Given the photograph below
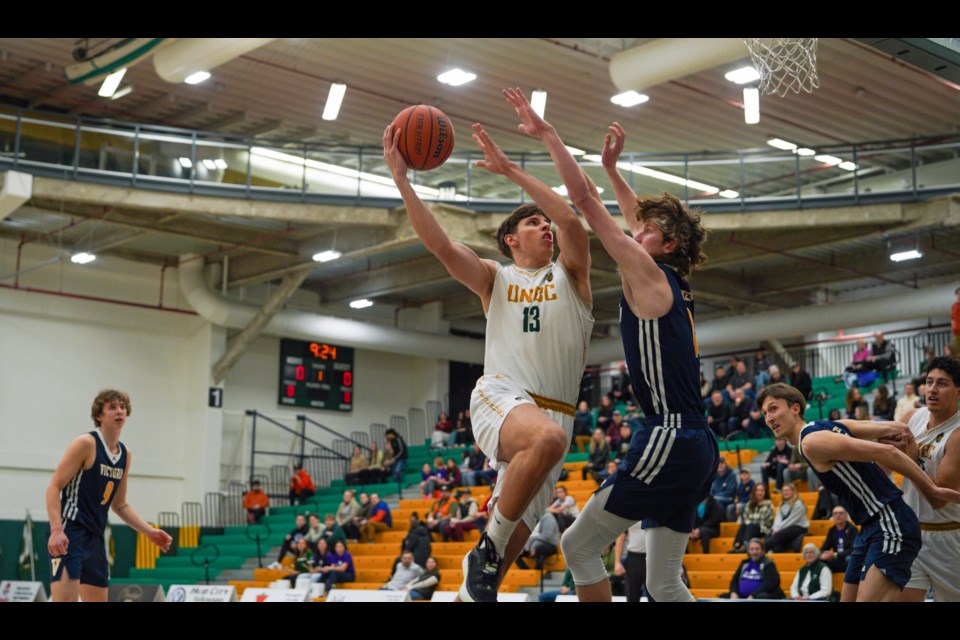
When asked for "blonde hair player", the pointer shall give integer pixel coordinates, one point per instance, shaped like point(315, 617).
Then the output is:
point(538, 326)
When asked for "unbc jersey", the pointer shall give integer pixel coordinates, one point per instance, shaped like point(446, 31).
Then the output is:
point(931, 444)
point(86, 498)
point(861, 487)
point(664, 360)
point(538, 330)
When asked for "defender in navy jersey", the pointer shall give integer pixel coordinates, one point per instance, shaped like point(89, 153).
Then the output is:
point(91, 479)
point(853, 458)
point(673, 457)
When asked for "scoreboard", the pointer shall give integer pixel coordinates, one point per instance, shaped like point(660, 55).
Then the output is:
point(316, 375)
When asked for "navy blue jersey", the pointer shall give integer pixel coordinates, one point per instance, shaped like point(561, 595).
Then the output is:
point(861, 487)
point(664, 360)
point(86, 498)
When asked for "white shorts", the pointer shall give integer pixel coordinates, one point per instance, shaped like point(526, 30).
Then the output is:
point(492, 400)
point(938, 565)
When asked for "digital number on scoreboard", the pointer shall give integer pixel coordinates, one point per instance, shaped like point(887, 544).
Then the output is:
point(316, 375)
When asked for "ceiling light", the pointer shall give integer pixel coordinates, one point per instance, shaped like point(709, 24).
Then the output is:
point(830, 160)
point(185, 162)
point(456, 77)
point(849, 166)
point(913, 254)
point(538, 100)
point(574, 151)
point(209, 164)
point(334, 100)
point(122, 92)
point(220, 163)
point(82, 258)
point(629, 99)
point(361, 304)
point(743, 75)
point(728, 193)
point(110, 83)
point(781, 144)
point(751, 105)
point(326, 256)
point(590, 157)
point(803, 151)
point(197, 77)
point(562, 189)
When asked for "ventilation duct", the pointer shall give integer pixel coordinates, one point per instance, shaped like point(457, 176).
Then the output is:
point(176, 61)
point(666, 59)
point(15, 189)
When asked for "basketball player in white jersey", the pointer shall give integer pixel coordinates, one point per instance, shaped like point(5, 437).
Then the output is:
point(937, 450)
point(538, 326)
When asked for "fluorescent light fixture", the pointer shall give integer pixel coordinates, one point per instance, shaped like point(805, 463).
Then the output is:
point(781, 144)
point(728, 193)
point(185, 162)
point(575, 152)
point(751, 105)
point(326, 256)
point(220, 163)
point(830, 160)
point(629, 99)
point(122, 92)
point(334, 100)
point(110, 83)
point(913, 254)
point(849, 166)
point(590, 157)
point(209, 164)
point(361, 304)
point(456, 77)
point(803, 151)
point(82, 258)
point(743, 75)
point(196, 77)
point(538, 100)
point(562, 189)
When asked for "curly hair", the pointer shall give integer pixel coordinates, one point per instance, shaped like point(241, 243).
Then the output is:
point(677, 222)
point(104, 398)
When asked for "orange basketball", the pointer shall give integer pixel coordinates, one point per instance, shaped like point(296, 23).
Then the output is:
point(426, 136)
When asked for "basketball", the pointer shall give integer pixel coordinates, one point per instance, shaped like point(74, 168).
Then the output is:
point(426, 136)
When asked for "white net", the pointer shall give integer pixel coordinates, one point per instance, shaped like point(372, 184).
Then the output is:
point(785, 64)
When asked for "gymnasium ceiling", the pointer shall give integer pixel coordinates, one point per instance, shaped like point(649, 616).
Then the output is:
point(758, 260)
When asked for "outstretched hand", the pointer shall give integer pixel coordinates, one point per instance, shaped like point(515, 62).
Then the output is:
point(530, 122)
point(391, 152)
point(613, 146)
point(494, 159)
point(944, 493)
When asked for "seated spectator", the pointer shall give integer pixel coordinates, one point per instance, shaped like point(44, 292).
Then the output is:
point(835, 415)
point(567, 587)
point(882, 404)
point(542, 543)
point(444, 433)
point(861, 411)
point(706, 524)
point(255, 502)
point(440, 512)
point(363, 514)
point(757, 577)
point(463, 516)
point(742, 380)
point(582, 425)
point(761, 366)
point(633, 416)
point(813, 581)
point(757, 426)
point(287, 545)
point(454, 478)
point(426, 584)
point(756, 518)
point(908, 402)
point(480, 473)
point(346, 511)
point(801, 381)
point(599, 455)
point(799, 469)
point(724, 487)
point(302, 559)
point(358, 464)
point(739, 421)
point(564, 508)
point(341, 568)
point(626, 434)
point(744, 491)
point(315, 531)
point(432, 477)
point(375, 471)
point(718, 415)
point(404, 573)
point(719, 383)
point(333, 531)
point(613, 430)
point(858, 365)
point(883, 356)
point(775, 375)
point(839, 541)
point(826, 501)
point(464, 428)
point(380, 519)
point(790, 524)
point(301, 485)
point(605, 413)
point(417, 541)
point(776, 462)
point(705, 388)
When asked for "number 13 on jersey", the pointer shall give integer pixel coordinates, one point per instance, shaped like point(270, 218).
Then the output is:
point(531, 319)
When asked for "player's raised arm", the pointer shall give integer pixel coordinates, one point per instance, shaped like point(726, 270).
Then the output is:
point(609, 156)
point(462, 263)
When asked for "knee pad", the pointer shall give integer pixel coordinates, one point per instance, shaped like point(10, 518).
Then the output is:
point(581, 553)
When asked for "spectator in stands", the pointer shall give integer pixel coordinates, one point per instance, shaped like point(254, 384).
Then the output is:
point(835, 415)
point(739, 420)
point(333, 531)
point(882, 355)
point(907, 403)
point(719, 383)
point(800, 380)
point(718, 415)
point(320, 567)
point(453, 473)
point(724, 487)
point(444, 434)
point(605, 413)
point(417, 541)
point(440, 512)
point(775, 375)
point(341, 567)
point(433, 477)
point(632, 415)
point(951, 351)
point(542, 543)
point(813, 581)
point(761, 366)
point(706, 523)
point(398, 457)
point(839, 541)
point(358, 465)
point(427, 583)
point(301, 485)
point(463, 516)
point(776, 462)
point(858, 365)
point(740, 499)
point(626, 434)
point(404, 573)
point(862, 411)
point(791, 523)
point(464, 429)
point(567, 587)
point(606, 473)
point(255, 502)
point(380, 519)
point(302, 559)
point(477, 459)
point(375, 471)
point(705, 388)
point(741, 379)
point(756, 518)
point(632, 565)
point(599, 454)
point(613, 430)
point(287, 545)
point(363, 514)
point(346, 511)
point(756, 578)
point(582, 425)
point(799, 469)
point(882, 404)
point(928, 355)
point(564, 508)
point(757, 426)
point(315, 531)
point(826, 501)
point(853, 399)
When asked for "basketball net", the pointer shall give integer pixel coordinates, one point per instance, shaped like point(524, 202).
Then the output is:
point(785, 64)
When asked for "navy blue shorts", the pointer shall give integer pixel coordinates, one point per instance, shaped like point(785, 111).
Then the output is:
point(890, 540)
point(86, 557)
point(666, 473)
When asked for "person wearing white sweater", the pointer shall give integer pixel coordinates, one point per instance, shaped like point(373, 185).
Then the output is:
point(790, 522)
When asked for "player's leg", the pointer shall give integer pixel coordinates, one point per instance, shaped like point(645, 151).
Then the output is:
point(665, 549)
point(912, 595)
point(65, 589)
point(90, 593)
point(877, 587)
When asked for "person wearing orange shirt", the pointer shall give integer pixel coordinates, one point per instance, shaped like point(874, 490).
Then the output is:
point(255, 502)
point(301, 485)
